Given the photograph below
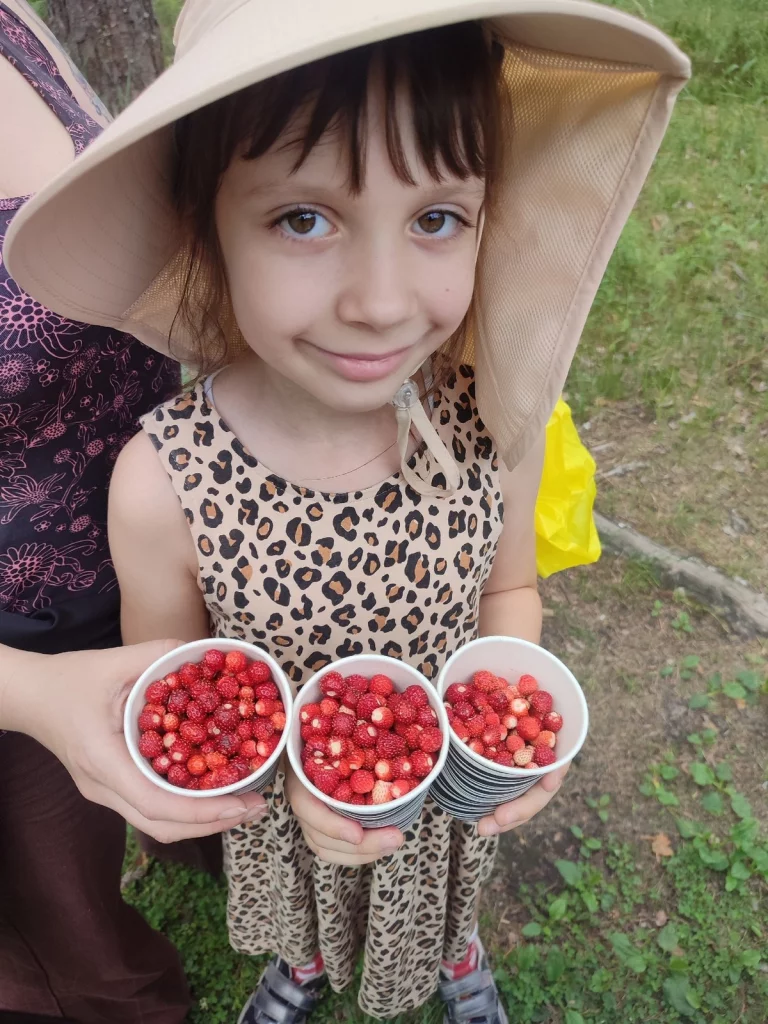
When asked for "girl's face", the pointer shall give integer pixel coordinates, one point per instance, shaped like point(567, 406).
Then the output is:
point(346, 295)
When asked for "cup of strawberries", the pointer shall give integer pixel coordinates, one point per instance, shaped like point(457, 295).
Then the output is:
point(369, 737)
point(515, 713)
point(209, 718)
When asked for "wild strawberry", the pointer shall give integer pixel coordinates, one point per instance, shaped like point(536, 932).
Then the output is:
point(257, 762)
point(308, 712)
point(463, 710)
point(366, 705)
point(338, 746)
point(241, 766)
point(188, 672)
point(209, 781)
point(227, 776)
point(504, 757)
point(480, 703)
point(343, 767)
point(215, 760)
point(321, 726)
point(228, 743)
point(365, 735)
point(245, 729)
point(431, 740)
point(211, 727)
point(226, 717)
point(193, 732)
point(528, 728)
point(278, 719)
point(369, 758)
point(157, 692)
point(381, 685)
point(343, 792)
point(206, 673)
point(527, 685)
point(426, 716)
point(266, 708)
point(171, 722)
point(193, 783)
point(541, 703)
point(543, 755)
point(499, 701)
point(490, 736)
point(243, 679)
point(259, 672)
point(475, 726)
point(422, 763)
point(402, 768)
point(523, 757)
point(362, 781)
point(389, 745)
point(314, 745)
point(178, 775)
point(208, 701)
point(208, 747)
point(356, 758)
point(228, 688)
point(247, 693)
point(457, 692)
point(405, 712)
point(327, 779)
point(382, 792)
point(268, 691)
point(552, 722)
point(491, 752)
point(151, 744)
point(357, 798)
point(248, 748)
point(491, 718)
point(169, 739)
point(196, 765)
point(198, 686)
point(235, 661)
point(400, 787)
point(461, 731)
point(416, 696)
point(161, 764)
point(150, 719)
point(246, 709)
point(383, 718)
point(214, 660)
point(477, 746)
point(266, 748)
point(509, 722)
point(383, 770)
point(328, 707)
point(342, 725)
point(484, 681)
point(350, 712)
point(332, 684)
point(180, 751)
point(173, 680)
point(519, 707)
point(412, 736)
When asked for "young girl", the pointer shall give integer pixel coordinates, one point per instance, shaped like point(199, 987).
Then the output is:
point(374, 231)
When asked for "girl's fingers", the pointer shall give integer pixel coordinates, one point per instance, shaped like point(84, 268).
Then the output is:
point(518, 812)
point(376, 843)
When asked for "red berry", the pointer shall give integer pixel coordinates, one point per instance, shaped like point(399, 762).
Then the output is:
point(206, 673)
point(365, 735)
point(211, 727)
point(188, 673)
point(382, 792)
point(356, 758)
point(196, 765)
point(173, 680)
point(381, 685)
point(499, 701)
point(235, 661)
point(357, 798)
point(267, 691)
point(208, 747)
point(405, 712)
point(228, 743)
point(519, 707)
point(328, 707)
point(370, 757)
point(356, 682)
point(342, 725)
point(193, 732)
point(151, 744)
point(546, 738)
point(180, 751)
point(484, 681)
point(457, 692)
point(171, 722)
point(266, 748)
point(400, 787)
point(352, 697)
point(209, 781)
point(278, 719)
point(177, 702)
point(215, 760)
point(308, 712)
point(523, 757)
point(416, 695)
point(541, 702)
point(389, 745)
point(544, 755)
point(383, 718)
point(169, 739)
point(157, 692)
point(315, 745)
point(246, 709)
point(226, 717)
point(477, 746)
point(475, 726)
point(241, 766)
point(261, 728)
point(208, 701)
point(343, 766)
point(332, 684)
point(362, 781)
point(245, 730)
point(366, 705)
point(266, 708)
point(463, 710)
point(504, 757)
point(198, 686)
point(509, 721)
point(426, 716)
point(402, 768)
point(228, 688)
point(552, 722)
point(527, 685)
point(343, 792)
point(412, 736)
point(422, 763)
point(431, 739)
point(214, 659)
point(383, 770)
point(150, 719)
point(528, 728)
point(461, 731)
point(338, 746)
point(178, 775)
point(257, 762)
point(161, 764)
point(248, 748)
point(490, 735)
point(227, 776)
point(327, 779)
point(514, 743)
point(259, 672)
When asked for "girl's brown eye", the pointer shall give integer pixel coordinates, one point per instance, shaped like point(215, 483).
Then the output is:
point(301, 222)
point(433, 222)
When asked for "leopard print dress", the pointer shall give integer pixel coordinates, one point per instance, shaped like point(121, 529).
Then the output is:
point(311, 577)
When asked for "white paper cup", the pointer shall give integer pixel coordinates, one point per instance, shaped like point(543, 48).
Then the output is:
point(404, 810)
point(172, 662)
point(471, 786)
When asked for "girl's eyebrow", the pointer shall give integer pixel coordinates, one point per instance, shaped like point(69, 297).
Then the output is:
point(433, 191)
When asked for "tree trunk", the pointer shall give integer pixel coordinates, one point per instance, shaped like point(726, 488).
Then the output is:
point(115, 43)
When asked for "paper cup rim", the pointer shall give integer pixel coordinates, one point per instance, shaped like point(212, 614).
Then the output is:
point(371, 810)
point(502, 770)
point(190, 652)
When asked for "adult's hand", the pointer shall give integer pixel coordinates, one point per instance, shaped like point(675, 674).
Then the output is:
point(73, 705)
point(331, 836)
point(518, 812)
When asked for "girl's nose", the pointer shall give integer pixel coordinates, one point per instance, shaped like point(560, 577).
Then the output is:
point(378, 293)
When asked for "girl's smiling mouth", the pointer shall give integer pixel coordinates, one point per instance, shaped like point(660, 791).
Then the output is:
point(363, 367)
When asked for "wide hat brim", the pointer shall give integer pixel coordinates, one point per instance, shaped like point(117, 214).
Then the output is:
point(591, 89)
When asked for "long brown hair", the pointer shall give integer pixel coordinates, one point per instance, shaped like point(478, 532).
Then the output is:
point(450, 76)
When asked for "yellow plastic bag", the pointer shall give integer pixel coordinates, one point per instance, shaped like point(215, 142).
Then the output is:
point(565, 528)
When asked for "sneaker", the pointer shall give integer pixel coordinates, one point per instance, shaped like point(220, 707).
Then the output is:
point(277, 999)
point(473, 999)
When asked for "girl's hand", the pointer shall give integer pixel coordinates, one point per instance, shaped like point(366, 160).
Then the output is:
point(332, 837)
point(519, 811)
point(73, 705)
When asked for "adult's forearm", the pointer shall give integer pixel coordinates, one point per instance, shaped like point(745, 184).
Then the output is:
point(512, 613)
point(20, 672)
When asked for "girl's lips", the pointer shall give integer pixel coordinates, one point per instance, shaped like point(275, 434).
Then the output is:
point(364, 368)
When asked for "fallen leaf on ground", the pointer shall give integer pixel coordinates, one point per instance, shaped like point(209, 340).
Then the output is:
point(661, 847)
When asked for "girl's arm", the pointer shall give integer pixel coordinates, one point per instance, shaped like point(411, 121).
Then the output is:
point(510, 606)
point(153, 551)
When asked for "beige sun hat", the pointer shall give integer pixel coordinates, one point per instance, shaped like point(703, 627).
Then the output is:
point(591, 90)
